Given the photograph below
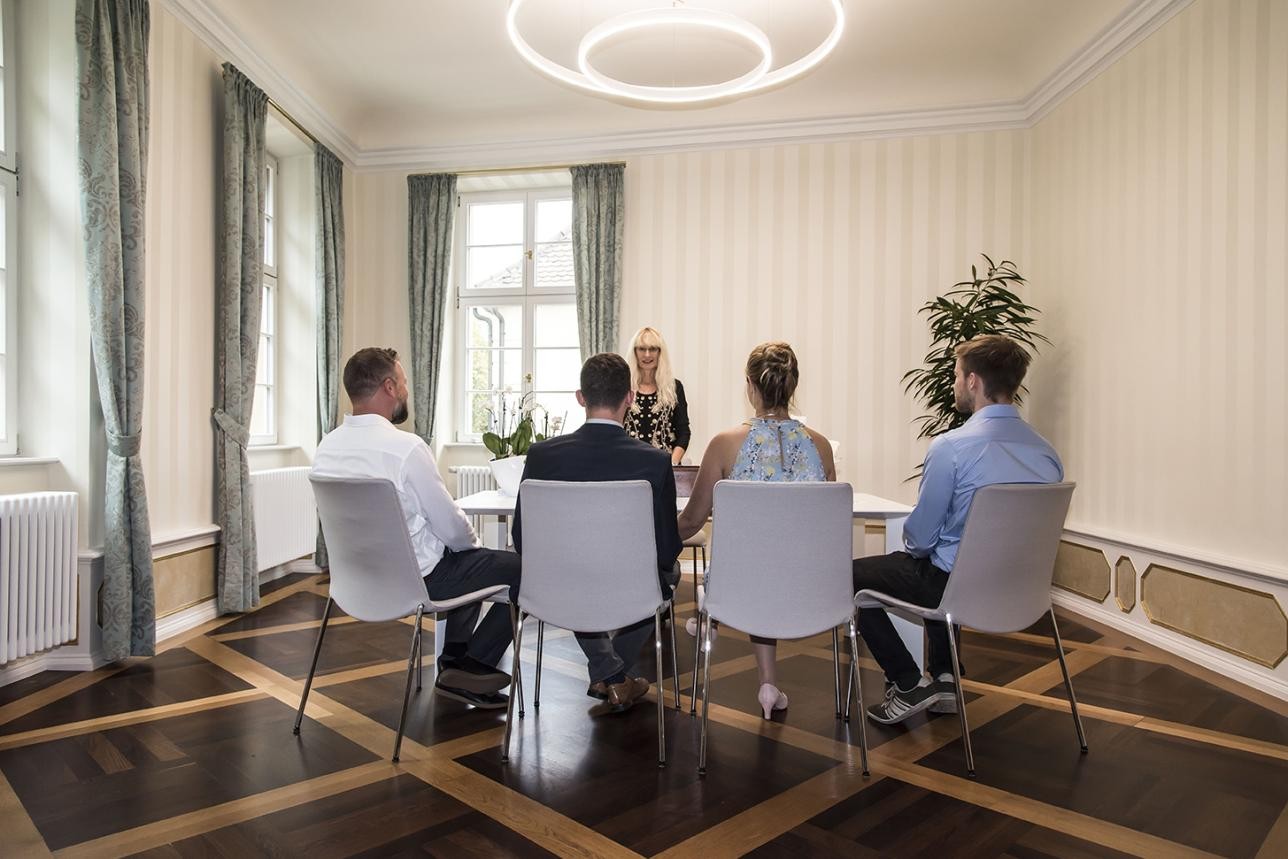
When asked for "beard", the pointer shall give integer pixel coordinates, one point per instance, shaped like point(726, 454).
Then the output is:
point(400, 414)
point(962, 403)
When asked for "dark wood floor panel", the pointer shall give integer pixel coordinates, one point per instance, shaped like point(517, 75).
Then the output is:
point(27, 685)
point(1070, 629)
point(401, 816)
point(602, 772)
point(1214, 799)
point(566, 647)
point(173, 676)
point(297, 608)
point(345, 646)
point(893, 819)
point(84, 787)
point(1164, 692)
point(430, 718)
point(285, 581)
point(999, 661)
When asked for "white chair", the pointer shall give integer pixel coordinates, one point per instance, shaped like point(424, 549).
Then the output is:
point(375, 576)
point(780, 568)
point(1001, 580)
point(589, 565)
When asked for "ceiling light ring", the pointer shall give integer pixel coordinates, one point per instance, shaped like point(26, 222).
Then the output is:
point(681, 16)
point(577, 79)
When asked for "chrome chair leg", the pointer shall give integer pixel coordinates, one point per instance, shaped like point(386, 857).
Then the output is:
point(675, 660)
point(961, 701)
point(411, 669)
point(704, 623)
point(420, 660)
point(697, 661)
point(313, 666)
point(518, 670)
point(661, 704)
point(855, 681)
point(1068, 684)
point(516, 622)
point(541, 638)
point(836, 669)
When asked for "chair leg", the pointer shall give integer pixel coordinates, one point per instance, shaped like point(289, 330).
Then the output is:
point(836, 669)
point(317, 651)
point(420, 660)
point(704, 623)
point(541, 639)
point(675, 660)
point(661, 704)
point(1068, 684)
point(961, 700)
point(412, 659)
point(697, 661)
point(516, 622)
point(858, 687)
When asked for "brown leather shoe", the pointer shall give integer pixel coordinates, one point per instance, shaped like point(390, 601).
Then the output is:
point(598, 689)
point(621, 696)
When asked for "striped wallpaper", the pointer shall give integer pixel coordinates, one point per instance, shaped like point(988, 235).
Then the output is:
point(1160, 227)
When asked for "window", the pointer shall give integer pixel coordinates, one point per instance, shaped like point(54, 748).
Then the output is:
point(8, 239)
point(518, 322)
point(263, 415)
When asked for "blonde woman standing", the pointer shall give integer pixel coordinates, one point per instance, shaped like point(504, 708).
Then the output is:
point(660, 415)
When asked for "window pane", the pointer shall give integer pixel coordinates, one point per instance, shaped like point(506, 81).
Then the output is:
point(261, 417)
point(4, 249)
point(263, 364)
point(495, 326)
point(557, 369)
point(480, 412)
point(496, 369)
point(554, 220)
point(555, 325)
point(562, 406)
point(495, 268)
point(270, 243)
point(554, 265)
point(495, 224)
point(267, 311)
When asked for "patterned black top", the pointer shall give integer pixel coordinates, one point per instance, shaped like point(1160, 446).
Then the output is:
point(663, 428)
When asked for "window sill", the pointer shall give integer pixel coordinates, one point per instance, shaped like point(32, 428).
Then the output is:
point(27, 461)
point(271, 448)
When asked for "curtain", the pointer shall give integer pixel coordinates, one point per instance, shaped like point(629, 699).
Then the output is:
point(328, 180)
point(598, 216)
point(112, 118)
point(239, 296)
point(431, 208)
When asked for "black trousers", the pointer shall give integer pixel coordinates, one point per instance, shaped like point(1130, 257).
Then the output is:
point(460, 573)
point(913, 580)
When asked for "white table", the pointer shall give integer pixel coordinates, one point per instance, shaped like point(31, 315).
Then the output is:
point(893, 513)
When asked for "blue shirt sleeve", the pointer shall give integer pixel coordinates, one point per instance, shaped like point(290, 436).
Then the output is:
point(926, 522)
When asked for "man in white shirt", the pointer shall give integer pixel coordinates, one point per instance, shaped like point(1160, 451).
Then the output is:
point(367, 444)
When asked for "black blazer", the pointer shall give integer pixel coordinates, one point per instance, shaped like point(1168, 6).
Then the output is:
point(606, 452)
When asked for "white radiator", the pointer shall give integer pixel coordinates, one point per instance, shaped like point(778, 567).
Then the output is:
point(471, 479)
point(286, 518)
point(37, 572)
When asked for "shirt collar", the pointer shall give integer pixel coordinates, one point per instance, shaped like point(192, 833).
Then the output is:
point(996, 410)
point(611, 423)
point(367, 420)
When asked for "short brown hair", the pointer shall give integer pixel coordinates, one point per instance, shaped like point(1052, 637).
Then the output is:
point(999, 362)
point(367, 370)
point(605, 380)
point(772, 368)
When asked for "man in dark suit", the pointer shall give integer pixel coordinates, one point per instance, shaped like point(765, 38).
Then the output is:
point(601, 450)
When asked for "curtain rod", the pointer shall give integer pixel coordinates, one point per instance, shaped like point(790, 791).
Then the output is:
point(536, 168)
point(293, 121)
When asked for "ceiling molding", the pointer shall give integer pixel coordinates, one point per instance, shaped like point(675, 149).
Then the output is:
point(1132, 27)
point(209, 25)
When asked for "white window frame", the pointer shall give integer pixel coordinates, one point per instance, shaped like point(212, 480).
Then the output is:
point(267, 360)
point(529, 295)
point(9, 191)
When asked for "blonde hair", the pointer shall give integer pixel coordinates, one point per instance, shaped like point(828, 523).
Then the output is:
point(663, 378)
point(772, 369)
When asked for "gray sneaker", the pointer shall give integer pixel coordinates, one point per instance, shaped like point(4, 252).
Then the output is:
point(899, 705)
point(945, 694)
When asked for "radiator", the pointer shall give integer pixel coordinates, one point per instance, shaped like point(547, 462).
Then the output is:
point(286, 519)
point(471, 479)
point(37, 572)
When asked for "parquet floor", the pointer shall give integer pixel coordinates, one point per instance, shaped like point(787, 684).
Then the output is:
point(190, 753)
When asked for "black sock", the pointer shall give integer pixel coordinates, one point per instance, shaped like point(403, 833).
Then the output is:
point(453, 651)
point(614, 679)
point(475, 666)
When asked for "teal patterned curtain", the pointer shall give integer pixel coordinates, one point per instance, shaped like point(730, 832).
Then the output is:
point(239, 296)
point(328, 182)
point(598, 218)
point(112, 64)
point(431, 208)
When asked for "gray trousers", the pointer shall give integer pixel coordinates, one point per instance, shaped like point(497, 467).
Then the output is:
point(610, 652)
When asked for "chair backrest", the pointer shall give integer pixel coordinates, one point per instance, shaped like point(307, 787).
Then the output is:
point(374, 572)
point(781, 557)
point(589, 557)
point(1001, 581)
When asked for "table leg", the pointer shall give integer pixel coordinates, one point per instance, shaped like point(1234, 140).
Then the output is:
point(497, 534)
point(908, 626)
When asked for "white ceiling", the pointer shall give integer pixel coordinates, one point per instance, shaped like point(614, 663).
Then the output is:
point(404, 74)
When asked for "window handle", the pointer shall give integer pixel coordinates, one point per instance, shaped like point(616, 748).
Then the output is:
point(528, 253)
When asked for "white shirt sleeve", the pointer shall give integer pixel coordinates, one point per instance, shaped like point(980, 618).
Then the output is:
point(422, 481)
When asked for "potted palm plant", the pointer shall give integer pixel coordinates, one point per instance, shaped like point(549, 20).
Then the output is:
point(987, 304)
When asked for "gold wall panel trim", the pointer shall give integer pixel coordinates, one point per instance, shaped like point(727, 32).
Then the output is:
point(1125, 584)
point(1082, 570)
point(1248, 623)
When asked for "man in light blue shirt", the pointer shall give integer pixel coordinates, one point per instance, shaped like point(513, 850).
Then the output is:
point(994, 446)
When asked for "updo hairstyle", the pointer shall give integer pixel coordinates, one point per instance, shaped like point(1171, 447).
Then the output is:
point(772, 369)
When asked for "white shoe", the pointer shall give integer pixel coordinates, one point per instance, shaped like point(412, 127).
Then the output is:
point(691, 627)
point(771, 699)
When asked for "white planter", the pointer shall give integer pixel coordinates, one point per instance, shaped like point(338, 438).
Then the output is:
point(507, 473)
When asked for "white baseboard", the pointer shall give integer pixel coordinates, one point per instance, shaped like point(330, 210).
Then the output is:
point(1174, 643)
point(181, 621)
